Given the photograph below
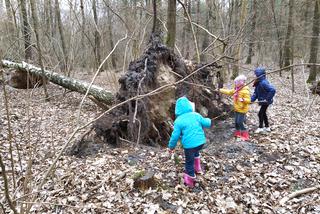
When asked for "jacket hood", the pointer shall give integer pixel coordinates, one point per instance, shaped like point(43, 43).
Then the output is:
point(260, 72)
point(183, 106)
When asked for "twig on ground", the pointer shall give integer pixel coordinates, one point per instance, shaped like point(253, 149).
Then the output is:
point(298, 193)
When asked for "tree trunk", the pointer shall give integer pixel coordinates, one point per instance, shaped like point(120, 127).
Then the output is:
point(36, 31)
point(251, 36)
point(205, 42)
point(239, 24)
point(10, 18)
point(186, 31)
point(171, 23)
point(97, 36)
point(63, 43)
point(288, 48)
point(96, 92)
point(83, 24)
point(314, 46)
point(110, 28)
point(277, 23)
point(26, 31)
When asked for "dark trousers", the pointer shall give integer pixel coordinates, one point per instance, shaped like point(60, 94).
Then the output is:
point(263, 118)
point(190, 154)
point(239, 121)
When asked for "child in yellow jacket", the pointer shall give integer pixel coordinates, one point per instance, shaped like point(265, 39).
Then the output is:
point(241, 102)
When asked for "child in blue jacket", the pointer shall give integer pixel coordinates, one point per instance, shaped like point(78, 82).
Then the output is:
point(264, 92)
point(188, 126)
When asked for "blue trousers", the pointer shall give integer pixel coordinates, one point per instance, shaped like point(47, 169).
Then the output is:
point(190, 154)
point(239, 120)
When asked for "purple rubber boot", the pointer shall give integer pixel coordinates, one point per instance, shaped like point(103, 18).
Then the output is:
point(188, 180)
point(197, 165)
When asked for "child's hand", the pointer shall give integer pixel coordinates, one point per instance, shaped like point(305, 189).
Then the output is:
point(241, 99)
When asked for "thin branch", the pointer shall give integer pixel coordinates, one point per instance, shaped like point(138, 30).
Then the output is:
point(10, 137)
point(192, 29)
point(96, 74)
point(208, 32)
point(6, 187)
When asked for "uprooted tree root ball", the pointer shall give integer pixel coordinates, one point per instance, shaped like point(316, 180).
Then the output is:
point(149, 120)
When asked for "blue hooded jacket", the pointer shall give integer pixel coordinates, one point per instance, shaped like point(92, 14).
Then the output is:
point(263, 89)
point(188, 126)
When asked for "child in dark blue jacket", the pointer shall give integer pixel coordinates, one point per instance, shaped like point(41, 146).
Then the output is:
point(188, 126)
point(264, 92)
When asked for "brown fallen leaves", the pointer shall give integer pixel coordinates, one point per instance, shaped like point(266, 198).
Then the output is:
point(240, 177)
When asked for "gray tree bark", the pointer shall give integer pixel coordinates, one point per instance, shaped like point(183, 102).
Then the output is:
point(97, 38)
point(36, 31)
point(63, 43)
point(10, 17)
point(253, 26)
point(314, 46)
point(26, 31)
point(171, 23)
point(96, 92)
point(288, 47)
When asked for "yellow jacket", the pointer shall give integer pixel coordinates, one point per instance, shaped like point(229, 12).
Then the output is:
point(244, 93)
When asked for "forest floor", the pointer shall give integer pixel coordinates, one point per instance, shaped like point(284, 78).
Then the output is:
point(240, 177)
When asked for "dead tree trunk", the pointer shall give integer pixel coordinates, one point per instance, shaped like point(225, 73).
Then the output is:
point(98, 93)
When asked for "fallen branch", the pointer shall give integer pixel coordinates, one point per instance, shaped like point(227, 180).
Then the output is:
point(298, 193)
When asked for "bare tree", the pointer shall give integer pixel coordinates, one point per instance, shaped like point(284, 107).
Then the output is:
point(288, 46)
point(10, 17)
point(252, 30)
point(26, 32)
point(111, 43)
point(314, 45)
point(97, 37)
point(36, 31)
point(171, 23)
point(63, 43)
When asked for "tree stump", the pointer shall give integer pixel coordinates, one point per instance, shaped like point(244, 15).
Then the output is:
point(145, 181)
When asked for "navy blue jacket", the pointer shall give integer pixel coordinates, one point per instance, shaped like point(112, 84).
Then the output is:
point(263, 91)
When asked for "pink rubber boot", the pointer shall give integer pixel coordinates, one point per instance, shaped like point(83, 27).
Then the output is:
point(188, 180)
point(245, 135)
point(237, 133)
point(197, 165)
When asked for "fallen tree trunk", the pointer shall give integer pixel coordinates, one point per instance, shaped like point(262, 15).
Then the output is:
point(98, 93)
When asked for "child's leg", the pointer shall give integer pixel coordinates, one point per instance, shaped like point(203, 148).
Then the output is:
point(197, 151)
point(265, 117)
point(241, 118)
point(237, 121)
point(189, 164)
point(261, 116)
